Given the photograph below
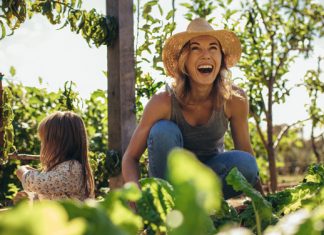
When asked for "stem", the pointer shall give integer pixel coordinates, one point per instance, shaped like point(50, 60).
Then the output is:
point(264, 142)
point(257, 219)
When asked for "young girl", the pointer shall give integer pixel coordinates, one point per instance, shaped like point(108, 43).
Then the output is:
point(65, 171)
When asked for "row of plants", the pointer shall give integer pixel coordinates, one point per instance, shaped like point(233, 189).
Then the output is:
point(189, 202)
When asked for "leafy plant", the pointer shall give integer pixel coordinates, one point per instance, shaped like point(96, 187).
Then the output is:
point(94, 28)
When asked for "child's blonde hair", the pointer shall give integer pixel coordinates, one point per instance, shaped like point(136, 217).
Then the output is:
point(63, 137)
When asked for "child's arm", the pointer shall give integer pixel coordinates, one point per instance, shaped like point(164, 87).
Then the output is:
point(23, 169)
point(64, 179)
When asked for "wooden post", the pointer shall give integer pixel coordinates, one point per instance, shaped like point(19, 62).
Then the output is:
point(121, 80)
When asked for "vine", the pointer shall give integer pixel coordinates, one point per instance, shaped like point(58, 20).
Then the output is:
point(6, 128)
point(95, 28)
point(154, 32)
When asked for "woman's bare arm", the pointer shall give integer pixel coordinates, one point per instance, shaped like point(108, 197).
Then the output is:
point(158, 108)
point(238, 113)
point(238, 108)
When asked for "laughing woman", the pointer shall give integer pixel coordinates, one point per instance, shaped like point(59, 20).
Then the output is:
point(196, 112)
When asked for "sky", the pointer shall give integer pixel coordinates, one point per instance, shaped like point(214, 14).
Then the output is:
point(38, 49)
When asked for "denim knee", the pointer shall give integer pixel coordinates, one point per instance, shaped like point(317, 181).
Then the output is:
point(224, 162)
point(245, 163)
point(163, 137)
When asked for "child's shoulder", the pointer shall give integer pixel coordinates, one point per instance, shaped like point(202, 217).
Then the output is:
point(69, 165)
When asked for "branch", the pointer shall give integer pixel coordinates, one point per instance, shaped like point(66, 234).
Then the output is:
point(262, 16)
point(285, 130)
point(16, 156)
point(319, 136)
point(260, 56)
point(281, 61)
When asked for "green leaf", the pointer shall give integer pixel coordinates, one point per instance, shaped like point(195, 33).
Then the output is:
point(3, 30)
point(300, 222)
point(239, 183)
point(117, 208)
point(185, 168)
point(156, 202)
point(12, 71)
point(198, 193)
point(170, 14)
point(95, 215)
point(50, 216)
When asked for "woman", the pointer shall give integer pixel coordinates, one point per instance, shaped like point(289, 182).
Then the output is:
point(196, 112)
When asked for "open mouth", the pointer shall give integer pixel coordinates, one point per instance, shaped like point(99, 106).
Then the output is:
point(205, 68)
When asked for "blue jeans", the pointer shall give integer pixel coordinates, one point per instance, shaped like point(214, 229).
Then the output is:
point(165, 135)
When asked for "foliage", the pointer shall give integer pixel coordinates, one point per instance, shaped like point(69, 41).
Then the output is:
point(315, 89)
point(94, 28)
point(199, 8)
point(7, 117)
point(299, 223)
point(262, 210)
point(156, 202)
point(154, 31)
point(291, 199)
point(31, 105)
point(164, 207)
point(50, 216)
point(197, 189)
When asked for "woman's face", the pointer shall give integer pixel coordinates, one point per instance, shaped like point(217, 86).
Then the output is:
point(204, 60)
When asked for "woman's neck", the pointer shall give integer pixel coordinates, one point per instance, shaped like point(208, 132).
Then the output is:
point(199, 94)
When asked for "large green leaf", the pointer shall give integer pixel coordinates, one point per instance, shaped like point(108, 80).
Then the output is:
point(118, 210)
point(95, 215)
point(156, 202)
point(198, 194)
point(46, 217)
point(300, 222)
point(239, 183)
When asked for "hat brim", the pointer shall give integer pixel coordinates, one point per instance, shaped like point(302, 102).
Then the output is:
point(231, 47)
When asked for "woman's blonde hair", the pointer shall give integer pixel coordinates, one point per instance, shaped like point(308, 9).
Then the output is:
point(222, 86)
point(63, 137)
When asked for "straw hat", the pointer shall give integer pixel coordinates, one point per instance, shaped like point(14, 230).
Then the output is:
point(230, 43)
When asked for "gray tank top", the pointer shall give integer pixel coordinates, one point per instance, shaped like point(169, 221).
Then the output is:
point(203, 140)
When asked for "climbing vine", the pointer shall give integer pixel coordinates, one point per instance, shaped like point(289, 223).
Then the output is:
point(6, 128)
point(95, 28)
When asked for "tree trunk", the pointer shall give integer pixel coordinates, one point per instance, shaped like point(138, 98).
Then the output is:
point(270, 144)
point(317, 155)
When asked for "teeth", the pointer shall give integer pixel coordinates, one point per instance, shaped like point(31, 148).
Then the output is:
point(205, 67)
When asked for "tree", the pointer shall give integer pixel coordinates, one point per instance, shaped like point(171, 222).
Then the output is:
point(272, 34)
point(315, 88)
